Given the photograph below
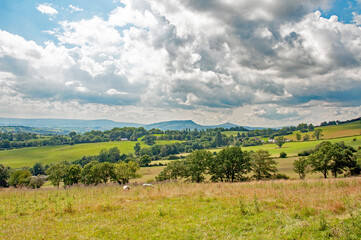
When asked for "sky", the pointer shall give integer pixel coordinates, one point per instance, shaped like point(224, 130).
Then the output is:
point(258, 63)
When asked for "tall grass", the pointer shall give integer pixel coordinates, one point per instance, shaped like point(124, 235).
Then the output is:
point(311, 209)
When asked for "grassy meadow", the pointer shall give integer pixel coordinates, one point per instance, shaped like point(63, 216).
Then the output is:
point(24, 157)
point(310, 209)
point(293, 148)
point(329, 132)
point(334, 131)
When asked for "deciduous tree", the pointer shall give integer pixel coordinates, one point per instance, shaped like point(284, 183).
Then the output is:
point(280, 141)
point(230, 164)
point(263, 165)
point(317, 134)
point(301, 166)
point(4, 175)
point(123, 172)
point(196, 165)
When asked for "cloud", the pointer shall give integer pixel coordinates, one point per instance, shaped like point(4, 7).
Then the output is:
point(270, 58)
point(356, 18)
point(75, 8)
point(47, 9)
point(115, 92)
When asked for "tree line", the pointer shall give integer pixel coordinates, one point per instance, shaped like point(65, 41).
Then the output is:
point(92, 173)
point(328, 158)
point(231, 164)
point(206, 138)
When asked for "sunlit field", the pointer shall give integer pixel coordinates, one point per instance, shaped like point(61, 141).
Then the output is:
point(52, 154)
point(310, 209)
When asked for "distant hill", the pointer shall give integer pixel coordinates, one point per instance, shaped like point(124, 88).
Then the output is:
point(260, 128)
point(185, 124)
point(67, 125)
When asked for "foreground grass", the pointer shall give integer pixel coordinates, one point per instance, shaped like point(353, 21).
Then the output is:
point(26, 157)
point(313, 209)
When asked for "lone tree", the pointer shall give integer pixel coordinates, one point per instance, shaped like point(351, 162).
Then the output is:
point(298, 136)
point(263, 165)
point(280, 141)
point(317, 134)
point(301, 166)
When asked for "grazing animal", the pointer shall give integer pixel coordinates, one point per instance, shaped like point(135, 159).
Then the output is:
point(126, 187)
point(147, 185)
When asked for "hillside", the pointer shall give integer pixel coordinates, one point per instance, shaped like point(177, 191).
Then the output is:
point(186, 124)
point(334, 131)
point(26, 157)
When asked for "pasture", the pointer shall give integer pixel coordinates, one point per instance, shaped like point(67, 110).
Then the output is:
point(329, 132)
point(334, 131)
point(26, 157)
point(310, 209)
point(293, 148)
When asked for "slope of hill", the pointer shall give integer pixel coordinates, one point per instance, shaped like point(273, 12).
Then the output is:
point(333, 131)
point(26, 157)
point(185, 124)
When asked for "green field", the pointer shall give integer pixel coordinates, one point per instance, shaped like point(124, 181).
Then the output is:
point(293, 148)
point(311, 209)
point(51, 154)
point(334, 131)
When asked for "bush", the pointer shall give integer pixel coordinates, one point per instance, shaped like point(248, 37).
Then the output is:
point(4, 175)
point(280, 176)
point(38, 169)
point(306, 153)
point(36, 181)
point(20, 178)
point(283, 155)
point(173, 157)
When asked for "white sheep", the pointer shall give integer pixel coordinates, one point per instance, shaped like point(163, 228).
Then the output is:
point(126, 187)
point(147, 185)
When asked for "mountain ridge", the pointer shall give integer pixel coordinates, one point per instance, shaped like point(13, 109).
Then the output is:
point(105, 124)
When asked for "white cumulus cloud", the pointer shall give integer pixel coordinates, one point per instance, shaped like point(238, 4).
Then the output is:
point(75, 8)
point(47, 9)
point(220, 60)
